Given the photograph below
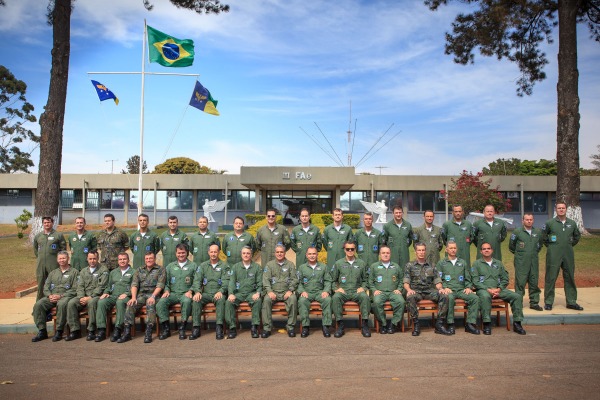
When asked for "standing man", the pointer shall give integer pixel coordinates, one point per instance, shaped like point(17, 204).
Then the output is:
point(314, 284)
point(385, 284)
point(81, 243)
point(525, 243)
point(46, 246)
point(116, 294)
point(210, 286)
point(142, 242)
point(91, 283)
point(459, 230)
point(490, 280)
point(304, 236)
point(236, 241)
point(169, 240)
point(111, 242)
point(397, 234)
point(350, 283)
point(280, 282)
point(334, 237)
point(245, 284)
point(202, 240)
point(271, 235)
point(431, 235)
point(422, 282)
point(456, 280)
point(148, 281)
point(58, 289)
point(489, 230)
point(560, 235)
point(368, 240)
point(178, 290)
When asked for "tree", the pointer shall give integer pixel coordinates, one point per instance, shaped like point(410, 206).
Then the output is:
point(183, 165)
point(133, 166)
point(15, 111)
point(473, 194)
point(515, 166)
point(596, 159)
point(515, 30)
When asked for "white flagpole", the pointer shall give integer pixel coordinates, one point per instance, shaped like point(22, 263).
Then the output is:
point(141, 166)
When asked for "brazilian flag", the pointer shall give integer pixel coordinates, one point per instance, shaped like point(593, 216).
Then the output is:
point(169, 51)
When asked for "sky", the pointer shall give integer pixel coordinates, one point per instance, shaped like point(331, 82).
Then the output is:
point(287, 73)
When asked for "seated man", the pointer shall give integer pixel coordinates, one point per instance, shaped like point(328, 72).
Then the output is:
point(91, 283)
point(422, 282)
point(245, 284)
point(280, 282)
point(314, 284)
point(456, 280)
point(490, 279)
point(350, 279)
point(210, 286)
point(148, 281)
point(178, 290)
point(59, 288)
point(385, 284)
point(117, 293)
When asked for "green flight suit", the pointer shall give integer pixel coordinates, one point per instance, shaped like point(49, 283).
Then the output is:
point(243, 284)
point(89, 284)
point(461, 235)
point(168, 244)
point(58, 282)
point(494, 235)
point(526, 246)
point(314, 281)
point(398, 238)
point(140, 245)
point(279, 279)
point(350, 276)
point(209, 280)
point(179, 281)
point(432, 240)
point(386, 279)
point(485, 276)
point(560, 238)
point(146, 280)
point(118, 283)
point(199, 245)
point(302, 239)
point(333, 241)
point(367, 245)
point(110, 245)
point(46, 247)
point(457, 277)
point(80, 247)
point(233, 245)
point(266, 240)
point(423, 279)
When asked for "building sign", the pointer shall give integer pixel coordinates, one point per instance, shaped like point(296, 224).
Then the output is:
point(298, 176)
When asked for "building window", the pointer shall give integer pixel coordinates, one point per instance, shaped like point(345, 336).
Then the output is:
point(114, 199)
point(536, 202)
point(148, 202)
point(174, 199)
point(72, 199)
point(92, 200)
point(242, 200)
point(350, 201)
point(515, 200)
point(423, 201)
point(16, 197)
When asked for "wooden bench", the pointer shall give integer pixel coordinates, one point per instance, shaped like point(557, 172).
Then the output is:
point(387, 309)
point(314, 310)
point(499, 306)
point(351, 308)
point(82, 314)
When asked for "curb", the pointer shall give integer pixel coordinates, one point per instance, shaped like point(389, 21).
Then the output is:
point(25, 292)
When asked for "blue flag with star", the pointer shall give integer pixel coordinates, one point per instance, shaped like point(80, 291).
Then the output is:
point(202, 100)
point(104, 93)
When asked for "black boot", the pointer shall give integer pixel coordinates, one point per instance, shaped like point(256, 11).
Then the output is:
point(219, 333)
point(91, 335)
point(57, 336)
point(73, 335)
point(41, 335)
point(126, 337)
point(416, 328)
point(232, 333)
point(165, 330)
point(366, 332)
point(254, 331)
point(326, 331)
point(305, 332)
point(182, 335)
point(116, 334)
point(339, 332)
point(451, 329)
point(148, 335)
point(440, 328)
point(382, 328)
point(101, 335)
point(517, 328)
point(195, 333)
point(487, 328)
point(391, 328)
point(471, 328)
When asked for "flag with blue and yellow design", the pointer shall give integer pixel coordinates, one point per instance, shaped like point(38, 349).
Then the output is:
point(203, 101)
point(103, 92)
point(169, 51)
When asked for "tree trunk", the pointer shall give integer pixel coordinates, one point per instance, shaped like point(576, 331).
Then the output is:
point(52, 120)
point(567, 129)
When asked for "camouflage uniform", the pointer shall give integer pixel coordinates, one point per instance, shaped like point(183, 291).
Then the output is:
point(140, 245)
point(334, 239)
point(118, 283)
point(46, 247)
point(423, 279)
point(302, 239)
point(80, 247)
point(179, 281)
point(279, 279)
point(457, 277)
point(350, 277)
point(432, 240)
point(266, 240)
point(386, 279)
point(398, 238)
point(58, 282)
point(110, 245)
point(168, 243)
point(89, 284)
point(200, 243)
point(367, 245)
point(146, 281)
point(314, 281)
point(243, 284)
point(494, 235)
point(209, 280)
point(232, 246)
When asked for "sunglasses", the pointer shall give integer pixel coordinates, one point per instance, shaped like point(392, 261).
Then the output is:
point(349, 249)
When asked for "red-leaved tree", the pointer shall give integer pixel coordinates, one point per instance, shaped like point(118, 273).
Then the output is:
point(473, 193)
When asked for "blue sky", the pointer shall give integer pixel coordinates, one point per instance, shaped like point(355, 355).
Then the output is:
point(277, 67)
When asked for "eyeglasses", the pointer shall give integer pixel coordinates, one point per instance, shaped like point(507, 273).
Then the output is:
point(270, 216)
point(349, 249)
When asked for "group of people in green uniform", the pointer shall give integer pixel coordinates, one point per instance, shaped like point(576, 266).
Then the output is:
point(369, 267)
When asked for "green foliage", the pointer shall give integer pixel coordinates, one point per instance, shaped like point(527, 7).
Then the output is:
point(22, 222)
point(200, 6)
point(133, 166)
point(515, 166)
point(182, 165)
point(260, 222)
point(351, 219)
point(596, 159)
point(251, 219)
point(473, 194)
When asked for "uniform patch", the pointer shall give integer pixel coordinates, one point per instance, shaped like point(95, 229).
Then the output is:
point(553, 238)
point(172, 279)
point(53, 246)
point(481, 278)
point(379, 278)
point(375, 248)
point(447, 278)
point(360, 247)
point(204, 281)
point(305, 280)
point(513, 236)
point(237, 285)
point(188, 280)
point(394, 278)
point(343, 279)
point(461, 278)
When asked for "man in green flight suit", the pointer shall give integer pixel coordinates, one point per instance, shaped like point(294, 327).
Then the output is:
point(111, 242)
point(46, 246)
point(385, 284)
point(245, 284)
point(525, 243)
point(397, 234)
point(456, 280)
point(143, 241)
point(304, 236)
point(314, 284)
point(368, 240)
point(81, 243)
point(202, 240)
point(170, 239)
point(490, 280)
point(431, 235)
point(560, 235)
point(280, 282)
point(334, 237)
point(270, 235)
point(459, 230)
point(178, 290)
point(91, 283)
point(236, 241)
point(489, 230)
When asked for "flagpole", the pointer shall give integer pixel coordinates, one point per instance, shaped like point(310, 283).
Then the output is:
point(141, 166)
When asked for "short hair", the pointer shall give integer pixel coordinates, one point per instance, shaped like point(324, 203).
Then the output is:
point(149, 252)
point(173, 218)
point(215, 244)
point(451, 242)
point(368, 214)
point(488, 243)
point(560, 202)
point(456, 205)
point(123, 253)
point(95, 252)
point(83, 218)
point(384, 246)
point(490, 205)
point(349, 242)
point(527, 213)
point(240, 218)
point(183, 246)
point(398, 207)
point(109, 215)
point(305, 209)
point(420, 244)
point(203, 217)
point(144, 215)
point(271, 209)
point(63, 253)
point(280, 245)
point(338, 209)
point(47, 219)
point(426, 211)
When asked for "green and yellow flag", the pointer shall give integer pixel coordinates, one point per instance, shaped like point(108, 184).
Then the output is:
point(169, 51)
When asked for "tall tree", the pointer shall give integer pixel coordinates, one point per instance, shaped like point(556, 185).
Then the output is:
point(183, 165)
point(515, 30)
point(133, 166)
point(515, 166)
point(596, 159)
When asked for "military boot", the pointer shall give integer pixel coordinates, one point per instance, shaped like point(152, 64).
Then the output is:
point(182, 335)
point(471, 328)
point(101, 335)
point(487, 328)
point(73, 336)
point(91, 335)
point(366, 332)
point(382, 328)
point(42, 334)
point(416, 327)
point(517, 328)
point(126, 337)
point(440, 328)
point(219, 332)
point(339, 332)
point(195, 333)
point(148, 335)
point(116, 334)
point(326, 331)
point(57, 336)
point(254, 331)
point(232, 333)
point(391, 328)
point(165, 331)
point(451, 329)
